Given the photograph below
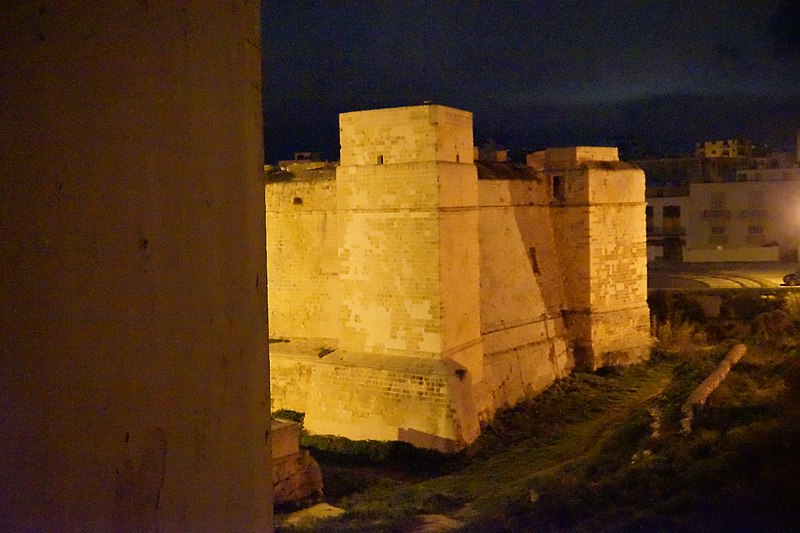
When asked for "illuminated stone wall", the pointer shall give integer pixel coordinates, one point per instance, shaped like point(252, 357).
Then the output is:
point(598, 214)
point(457, 296)
point(522, 293)
point(302, 260)
point(134, 378)
point(408, 224)
point(409, 270)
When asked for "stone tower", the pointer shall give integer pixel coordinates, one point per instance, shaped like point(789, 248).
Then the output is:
point(408, 223)
point(409, 343)
point(598, 215)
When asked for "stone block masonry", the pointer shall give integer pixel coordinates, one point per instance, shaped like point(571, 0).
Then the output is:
point(419, 292)
point(599, 224)
point(302, 262)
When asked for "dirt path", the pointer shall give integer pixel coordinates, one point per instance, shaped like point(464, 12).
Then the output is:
point(596, 439)
point(511, 472)
point(507, 469)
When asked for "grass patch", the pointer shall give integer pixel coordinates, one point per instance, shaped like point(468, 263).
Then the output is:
point(584, 454)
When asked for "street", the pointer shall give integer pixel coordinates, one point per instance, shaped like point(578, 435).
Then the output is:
point(674, 275)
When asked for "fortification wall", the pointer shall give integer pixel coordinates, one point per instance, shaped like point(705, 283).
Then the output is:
point(408, 239)
point(421, 401)
point(571, 234)
point(368, 396)
point(302, 259)
point(618, 260)
point(456, 297)
point(600, 220)
point(618, 257)
point(522, 293)
point(389, 264)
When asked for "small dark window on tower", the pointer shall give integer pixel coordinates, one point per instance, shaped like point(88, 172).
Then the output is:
point(458, 158)
point(380, 159)
point(297, 201)
point(534, 262)
point(559, 189)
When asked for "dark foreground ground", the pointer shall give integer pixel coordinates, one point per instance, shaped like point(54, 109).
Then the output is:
point(604, 451)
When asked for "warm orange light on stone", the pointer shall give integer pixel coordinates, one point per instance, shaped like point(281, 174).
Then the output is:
point(446, 296)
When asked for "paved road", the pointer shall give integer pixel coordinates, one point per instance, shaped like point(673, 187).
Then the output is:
point(717, 275)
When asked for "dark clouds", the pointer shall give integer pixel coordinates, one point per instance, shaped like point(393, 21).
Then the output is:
point(785, 31)
point(534, 72)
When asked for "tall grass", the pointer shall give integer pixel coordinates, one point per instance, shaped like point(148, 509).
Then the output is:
point(676, 335)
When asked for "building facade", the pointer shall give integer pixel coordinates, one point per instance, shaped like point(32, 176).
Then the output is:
point(413, 291)
point(755, 216)
point(732, 148)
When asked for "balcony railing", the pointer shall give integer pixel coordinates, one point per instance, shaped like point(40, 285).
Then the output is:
point(716, 213)
point(753, 213)
point(668, 231)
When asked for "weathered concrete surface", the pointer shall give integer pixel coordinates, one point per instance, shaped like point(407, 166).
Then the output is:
point(134, 370)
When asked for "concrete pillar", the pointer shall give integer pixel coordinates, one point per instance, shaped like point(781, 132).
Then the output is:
point(134, 372)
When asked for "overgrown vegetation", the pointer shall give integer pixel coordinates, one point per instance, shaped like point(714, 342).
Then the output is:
point(603, 451)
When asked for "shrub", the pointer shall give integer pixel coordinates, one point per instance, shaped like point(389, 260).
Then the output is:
point(791, 304)
point(669, 306)
point(288, 414)
point(676, 335)
point(772, 324)
point(746, 306)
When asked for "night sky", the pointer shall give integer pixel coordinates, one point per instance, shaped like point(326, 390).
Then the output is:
point(536, 73)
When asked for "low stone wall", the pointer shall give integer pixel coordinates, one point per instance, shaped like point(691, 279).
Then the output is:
point(752, 254)
point(426, 402)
